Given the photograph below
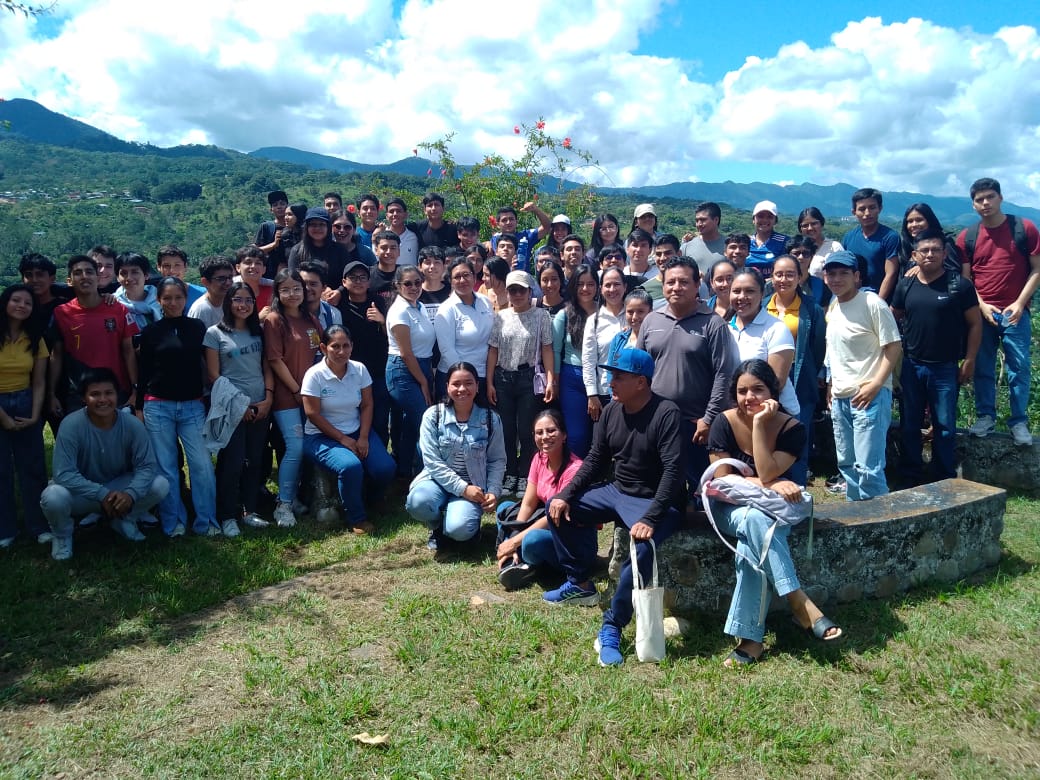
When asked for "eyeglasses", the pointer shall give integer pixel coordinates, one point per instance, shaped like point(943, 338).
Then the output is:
point(291, 291)
point(358, 278)
point(461, 277)
point(412, 283)
point(784, 275)
point(799, 253)
point(243, 301)
point(222, 279)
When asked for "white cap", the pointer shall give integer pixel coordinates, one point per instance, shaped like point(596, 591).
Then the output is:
point(561, 218)
point(518, 278)
point(764, 205)
point(645, 208)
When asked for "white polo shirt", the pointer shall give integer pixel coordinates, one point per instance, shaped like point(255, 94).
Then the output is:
point(340, 398)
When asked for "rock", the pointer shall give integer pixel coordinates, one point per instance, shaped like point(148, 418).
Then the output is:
point(480, 598)
point(676, 626)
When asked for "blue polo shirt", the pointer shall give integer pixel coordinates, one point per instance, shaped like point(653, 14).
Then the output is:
point(761, 257)
point(882, 244)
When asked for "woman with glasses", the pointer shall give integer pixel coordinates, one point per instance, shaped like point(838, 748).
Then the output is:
point(605, 232)
point(409, 368)
point(463, 326)
point(810, 224)
point(344, 233)
point(234, 349)
point(291, 338)
point(803, 249)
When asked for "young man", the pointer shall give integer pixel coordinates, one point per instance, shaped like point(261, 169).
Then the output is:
point(267, 235)
point(105, 257)
point(505, 248)
point(468, 232)
point(665, 248)
point(250, 264)
point(103, 462)
point(737, 249)
point(364, 315)
point(878, 243)
point(141, 298)
point(525, 239)
point(862, 349)
point(434, 231)
point(88, 333)
point(313, 273)
point(1002, 256)
point(695, 357)
point(368, 213)
point(397, 219)
point(940, 313)
point(765, 244)
point(709, 245)
point(332, 201)
point(387, 246)
point(638, 246)
point(572, 254)
point(172, 261)
point(39, 272)
point(217, 277)
point(632, 475)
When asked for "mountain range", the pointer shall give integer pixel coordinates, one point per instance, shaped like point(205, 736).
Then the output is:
point(28, 119)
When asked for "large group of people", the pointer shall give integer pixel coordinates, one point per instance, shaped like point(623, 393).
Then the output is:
point(555, 382)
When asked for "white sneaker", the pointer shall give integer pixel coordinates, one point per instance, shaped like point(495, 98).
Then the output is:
point(253, 520)
point(983, 426)
point(1021, 434)
point(283, 515)
point(5, 543)
point(61, 548)
point(211, 530)
point(90, 519)
point(230, 528)
point(45, 537)
point(127, 528)
point(178, 531)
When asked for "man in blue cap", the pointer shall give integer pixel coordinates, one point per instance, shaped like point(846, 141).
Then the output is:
point(632, 475)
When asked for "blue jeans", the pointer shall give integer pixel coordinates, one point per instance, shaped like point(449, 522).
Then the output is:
point(936, 385)
point(749, 526)
point(576, 541)
point(350, 470)
point(239, 469)
point(406, 410)
point(167, 421)
point(860, 436)
point(695, 456)
point(290, 423)
point(517, 405)
point(427, 501)
point(380, 406)
point(1016, 340)
point(21, 453)
point(59, 505)
point(536, 548)
point(799, 471)
point(574, 405)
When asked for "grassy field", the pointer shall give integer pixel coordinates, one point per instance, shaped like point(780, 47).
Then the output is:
point(266, 656)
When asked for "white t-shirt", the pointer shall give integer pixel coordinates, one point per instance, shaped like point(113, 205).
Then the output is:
point(414, 317)
point(816, 264)
point(856, 332)
point(600, 330)
point(203, 310)
point(409, 248)
point(463, 332)
point(764, 336)
point(340, 398)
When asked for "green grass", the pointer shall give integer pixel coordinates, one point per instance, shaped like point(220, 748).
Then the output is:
point(132, 662)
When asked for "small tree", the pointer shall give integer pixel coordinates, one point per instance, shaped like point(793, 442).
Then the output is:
point(497, 181)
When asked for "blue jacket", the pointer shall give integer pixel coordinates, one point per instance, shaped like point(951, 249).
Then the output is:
point(440, 438)
point(810, 349)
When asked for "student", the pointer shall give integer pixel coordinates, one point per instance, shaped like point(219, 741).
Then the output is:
point(344, 233)
point(313, 273)
point(268, 235)
point(317, 244)
point(218, 275)
point(172, 261)
point(568, 327)
point(397, 219)
point(105, 258)
point(638, 245)
point(434, 291)
point(103, 462)
point(876, 242)
point(88, 333)
point(766, 244)
point(1004, 265)
point(468, 231)
point(738, 248)
point(332, 201)
point(508, 223)
point(606, 232)
point(645, 218)
point(707, 247)
point(249, 263)
point(863, 347)
point(939, 311)
point(633, 475)
point(434, 230)
point(133, 270)
point(368, 210)
point(387, 246)
point(463, 326)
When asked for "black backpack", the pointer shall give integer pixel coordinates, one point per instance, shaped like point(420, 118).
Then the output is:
point(1018, 234)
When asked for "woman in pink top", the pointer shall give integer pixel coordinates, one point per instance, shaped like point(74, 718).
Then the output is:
point(524, 540)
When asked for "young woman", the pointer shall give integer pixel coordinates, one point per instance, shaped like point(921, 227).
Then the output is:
point(605, 232)
point(291, 339)
point(918, 218)
point(337, 399)
point(344, 233)
point(568, 331)
point(559, 229)
point(234, 349)
point(612, 256)
point(170, 374)
point(409, 369)
point(464, 460)
point(550, 279)
point(521, 338)
point(520, 553)
point(600, 329)
point(463, 325)
point(720, 277)
point(495, 272)
point(803, 249)
point(760, 335)
point(317, 244)
point(23, 386)
point(806, 322)
point(638, 304)
point(478, 255)
point(758, 432)
point(810, 223)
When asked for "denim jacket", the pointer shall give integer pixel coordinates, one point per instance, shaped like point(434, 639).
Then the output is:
point(440, 437)
point(810, 348)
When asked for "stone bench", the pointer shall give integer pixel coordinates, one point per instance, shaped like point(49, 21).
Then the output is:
point(996, 460)
point(941, 532)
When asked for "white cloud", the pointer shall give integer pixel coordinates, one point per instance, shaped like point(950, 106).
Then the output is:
point(909, 106)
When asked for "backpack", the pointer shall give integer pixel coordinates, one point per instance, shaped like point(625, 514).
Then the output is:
point(1018, 233)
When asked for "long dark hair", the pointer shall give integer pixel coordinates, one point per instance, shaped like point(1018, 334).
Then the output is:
point(574, 314)
point(906, 241)
point(557, 417)
point(761, 371)
point(469, 368)
point(227, 322)
point(596, 243)
point(33, 327)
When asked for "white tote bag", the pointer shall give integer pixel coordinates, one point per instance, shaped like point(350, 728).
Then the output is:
point(648, 605)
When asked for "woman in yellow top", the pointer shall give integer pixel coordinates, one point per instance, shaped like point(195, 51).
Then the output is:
point(23, 370)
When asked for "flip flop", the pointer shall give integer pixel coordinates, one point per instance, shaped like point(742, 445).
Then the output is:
point(739, 658)
point(820, 628)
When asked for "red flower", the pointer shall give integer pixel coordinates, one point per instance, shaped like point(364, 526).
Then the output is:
point(429, 171)
point(516, 129)
point(351, 208)
point(529, 174)
point(444, 172)
point(458, 188)
point(415, 152)
point(540, 124)
point(493, 222)
point(567, 142)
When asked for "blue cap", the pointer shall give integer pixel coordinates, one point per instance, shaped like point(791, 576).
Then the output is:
point(632, 361)
point(844, 258)
point(317, 212)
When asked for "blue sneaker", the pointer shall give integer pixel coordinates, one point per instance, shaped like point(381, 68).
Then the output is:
point(569, 593)
point(608, 645)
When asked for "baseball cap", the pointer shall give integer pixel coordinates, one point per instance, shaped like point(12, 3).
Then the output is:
point(632, 361)
point(844, 259)
point(351, 267)
point(561, 218)
point(317, 212)
point(645, 208)
point(518, 278)
point(764, 205)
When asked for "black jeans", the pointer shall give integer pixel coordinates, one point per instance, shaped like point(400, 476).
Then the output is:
point(517, 406)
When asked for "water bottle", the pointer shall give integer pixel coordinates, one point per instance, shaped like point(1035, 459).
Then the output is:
point(523, 253)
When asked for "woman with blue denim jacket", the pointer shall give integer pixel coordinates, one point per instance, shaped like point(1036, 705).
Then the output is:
point(808, 326)
point(464, 460)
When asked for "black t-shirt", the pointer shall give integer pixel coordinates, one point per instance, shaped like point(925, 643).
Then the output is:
point(444, 236)
point(933, 316)
point(332, 254)
point(369, 338)
point(382, 284)
point(790, 439)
